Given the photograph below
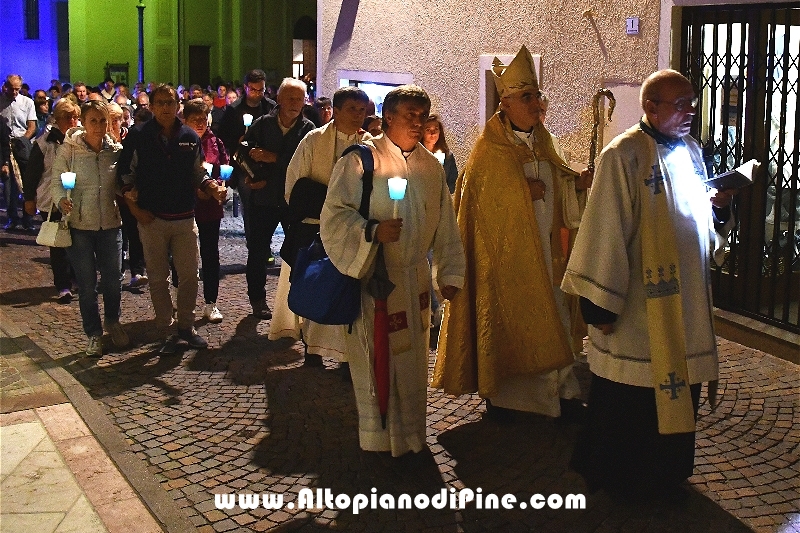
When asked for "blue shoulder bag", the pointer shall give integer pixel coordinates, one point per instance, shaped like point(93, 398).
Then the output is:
point(318, 291)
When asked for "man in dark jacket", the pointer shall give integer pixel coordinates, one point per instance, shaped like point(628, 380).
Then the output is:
point(160, 167)
point(272, 140)
point(232, 128)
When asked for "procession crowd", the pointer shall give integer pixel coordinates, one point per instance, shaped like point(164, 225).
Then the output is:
point(508, 260)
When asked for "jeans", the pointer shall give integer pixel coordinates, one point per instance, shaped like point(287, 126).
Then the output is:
point(92, 251)
point(262, 220)
point(209, 255)
point(159, 238)
point(15, 204)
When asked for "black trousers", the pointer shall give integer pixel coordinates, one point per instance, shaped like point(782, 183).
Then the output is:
point(209, 256)
point(130, 235)
point(620, 448)
point(59, 262)
point(262, 221)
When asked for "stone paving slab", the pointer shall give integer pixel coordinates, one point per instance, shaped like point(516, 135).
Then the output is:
point(244, 415)
point(22, 384)
point(56, 477)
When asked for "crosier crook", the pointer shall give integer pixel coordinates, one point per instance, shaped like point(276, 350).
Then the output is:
point(612, 102)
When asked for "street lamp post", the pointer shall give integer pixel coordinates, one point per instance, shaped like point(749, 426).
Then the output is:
point(140, 7)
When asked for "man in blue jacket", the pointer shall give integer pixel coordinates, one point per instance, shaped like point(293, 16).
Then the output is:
point(160, 168)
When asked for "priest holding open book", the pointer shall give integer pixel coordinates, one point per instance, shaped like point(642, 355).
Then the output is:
point(641, 265)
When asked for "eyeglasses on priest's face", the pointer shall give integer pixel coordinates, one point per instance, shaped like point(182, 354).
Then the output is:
point(681, 103)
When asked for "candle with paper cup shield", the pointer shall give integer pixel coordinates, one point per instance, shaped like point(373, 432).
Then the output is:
point(397, 191)
point(225, 172)
point(68, 181)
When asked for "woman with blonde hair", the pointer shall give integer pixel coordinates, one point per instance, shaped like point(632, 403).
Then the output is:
point(36, 185)
point(94, 220)
point(116, 126)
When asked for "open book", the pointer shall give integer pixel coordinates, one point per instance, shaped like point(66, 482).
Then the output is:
point(737, 178)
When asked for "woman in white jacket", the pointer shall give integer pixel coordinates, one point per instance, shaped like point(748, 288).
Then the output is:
point(94, 221)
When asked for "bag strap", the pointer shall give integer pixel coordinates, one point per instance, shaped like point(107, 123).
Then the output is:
point(368, 162)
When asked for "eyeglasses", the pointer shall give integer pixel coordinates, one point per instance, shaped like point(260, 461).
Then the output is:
point(681, 103)
point(255, 90)
point(528, 96)
point(158, 103)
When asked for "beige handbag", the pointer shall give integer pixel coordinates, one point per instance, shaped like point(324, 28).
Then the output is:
point(54, 234)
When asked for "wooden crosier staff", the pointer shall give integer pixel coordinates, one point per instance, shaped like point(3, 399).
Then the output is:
point(612, 102)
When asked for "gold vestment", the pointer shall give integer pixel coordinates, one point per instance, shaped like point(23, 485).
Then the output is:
point(504, 321)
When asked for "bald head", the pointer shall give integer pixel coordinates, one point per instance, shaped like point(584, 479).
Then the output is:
point(669, 102)
point(659, 81)
point(12, 86)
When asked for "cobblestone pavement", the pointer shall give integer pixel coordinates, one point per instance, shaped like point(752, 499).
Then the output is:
point(244, 415)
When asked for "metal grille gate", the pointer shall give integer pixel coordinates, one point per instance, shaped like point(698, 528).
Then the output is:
point(744, 61)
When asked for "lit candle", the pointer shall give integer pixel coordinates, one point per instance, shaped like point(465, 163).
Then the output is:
point(225, 172)
point(68, 181)
point(440, 156)
point(247, 119)
point(397, 191)
point(208, 166)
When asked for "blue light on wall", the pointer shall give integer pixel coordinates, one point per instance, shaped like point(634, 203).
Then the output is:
point(36, 60)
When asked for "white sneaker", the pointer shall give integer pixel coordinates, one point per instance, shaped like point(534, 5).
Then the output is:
point(118, 335)
point(95, 347)
point(212, 313)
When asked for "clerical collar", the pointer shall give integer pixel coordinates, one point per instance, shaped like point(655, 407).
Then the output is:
point(659, 137)
point(344, 136)
point(526, 137)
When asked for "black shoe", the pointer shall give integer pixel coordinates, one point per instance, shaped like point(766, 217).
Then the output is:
point(498, 414)
point(574, 411)
point(192, 338)
point(674, 494)
point(637, 494)
point(312, 359)
point(170, 346)
point(64, 296)
point(10, 225)
point(261, 310)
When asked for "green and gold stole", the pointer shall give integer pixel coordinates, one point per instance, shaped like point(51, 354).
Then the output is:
point(661, 271)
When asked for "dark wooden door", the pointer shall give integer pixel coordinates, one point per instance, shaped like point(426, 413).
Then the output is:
point(200, 65)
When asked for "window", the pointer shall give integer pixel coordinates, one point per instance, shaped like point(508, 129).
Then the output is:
point(32, 19)
point(375, 84)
